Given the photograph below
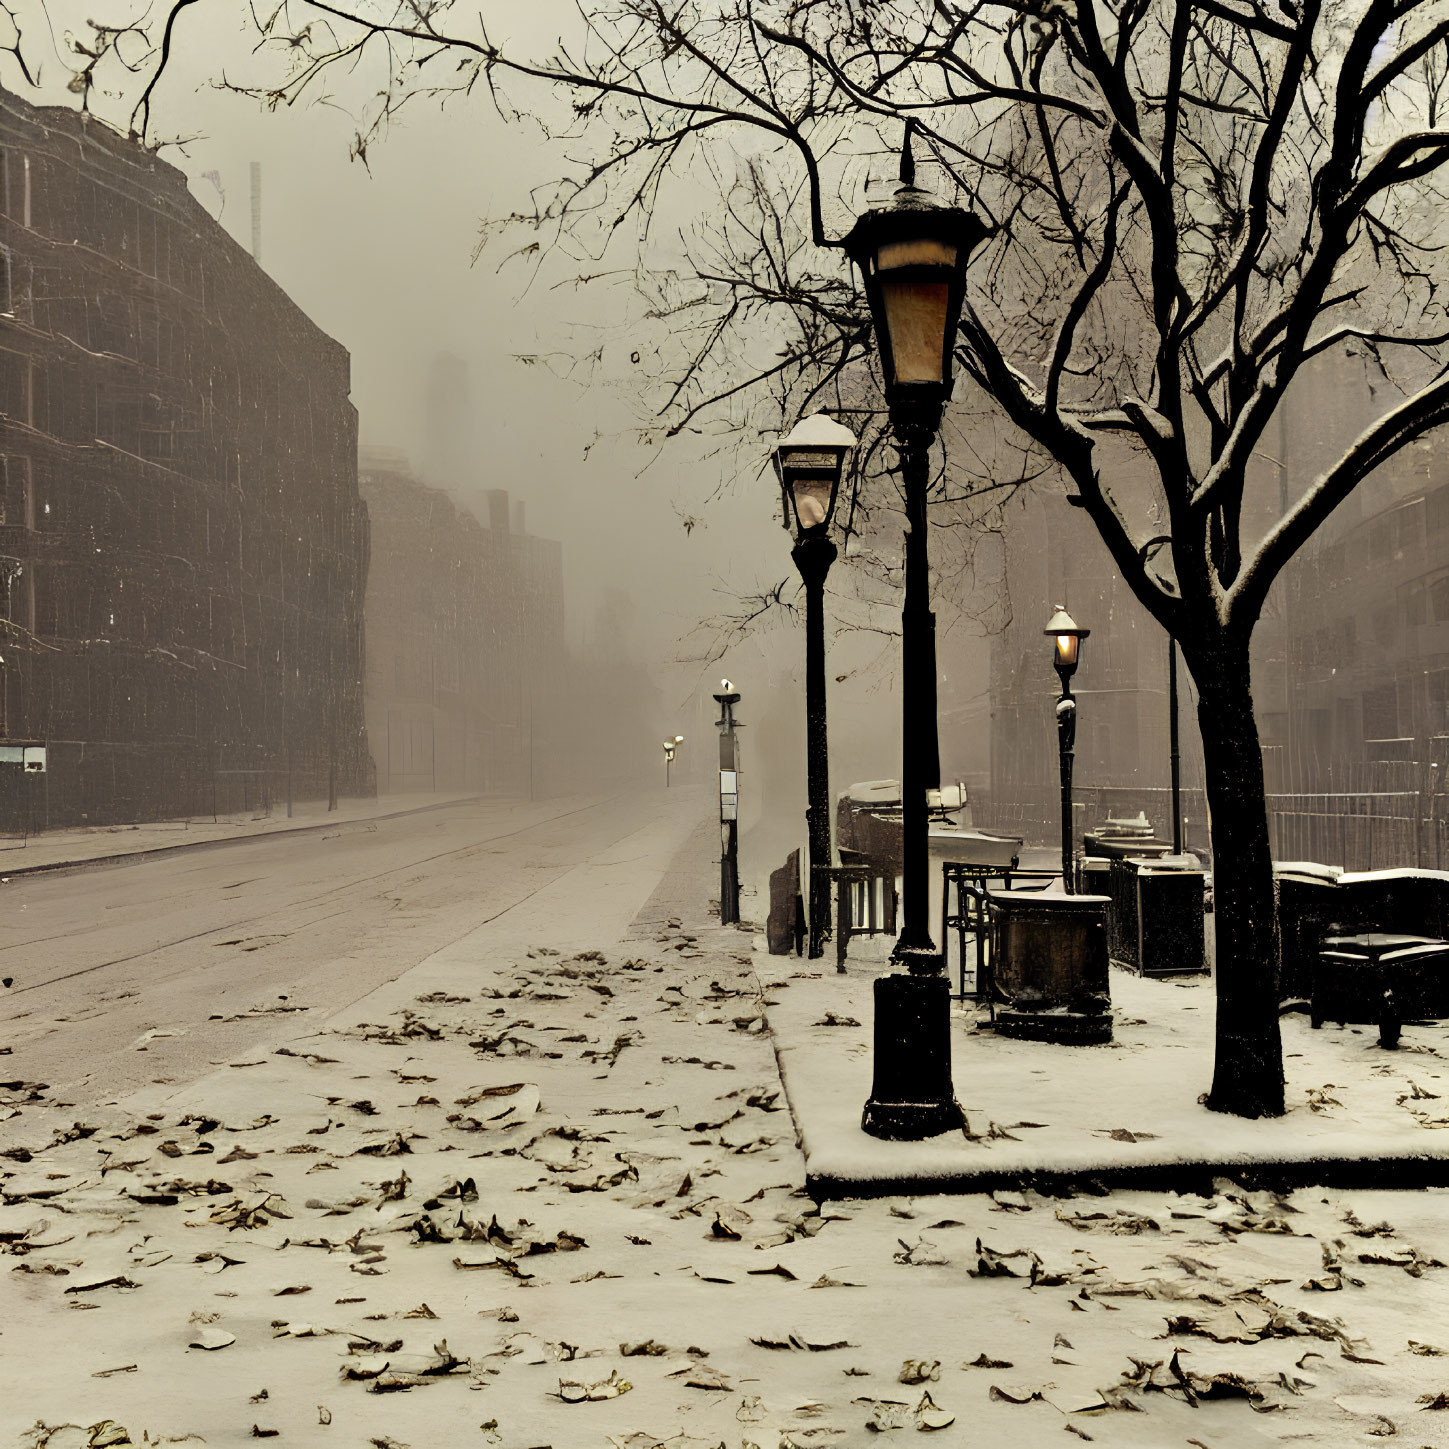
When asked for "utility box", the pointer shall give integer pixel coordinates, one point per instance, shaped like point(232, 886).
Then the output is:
point(1094, 876)
point(1309, 906)
point(1122, 926)
point(729, 794)
point(1169, 919)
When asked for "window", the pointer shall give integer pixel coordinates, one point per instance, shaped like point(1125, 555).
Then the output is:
point(1412, 599)
point(1439, 600)
point(1381, 713)
point(17, 502)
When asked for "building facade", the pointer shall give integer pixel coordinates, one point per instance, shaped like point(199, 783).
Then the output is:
point(183, 548)
point(1350, 665)
point(465, 629)
point(1122, 762)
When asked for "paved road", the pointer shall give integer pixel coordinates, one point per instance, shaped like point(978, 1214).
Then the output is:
point(225, 949)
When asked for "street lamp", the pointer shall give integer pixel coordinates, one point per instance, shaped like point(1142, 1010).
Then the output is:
point(729, 800)
point(1067, 638)
point(912, 258)
point(670, 746)
point(809, 461)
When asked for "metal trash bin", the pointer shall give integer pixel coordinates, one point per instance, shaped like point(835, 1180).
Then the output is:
point(1308, 904)
point(1049, 966)
point(1170, 938)
point(1415, 901)
point(1379, 978)
point(1122, 926)
point(1094, 875)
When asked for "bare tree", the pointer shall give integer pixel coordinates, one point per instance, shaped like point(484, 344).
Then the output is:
point(1192, 202)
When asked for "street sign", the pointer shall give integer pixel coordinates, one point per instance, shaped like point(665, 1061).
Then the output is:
point(729, 794)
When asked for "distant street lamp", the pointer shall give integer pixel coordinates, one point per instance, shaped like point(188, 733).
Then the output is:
point(729, 805)
point(1067, 638)
point(912, 258)
point(809, 461)
point(670, 746)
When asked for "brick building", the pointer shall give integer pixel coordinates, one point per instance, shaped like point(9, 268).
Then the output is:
point(183, 548)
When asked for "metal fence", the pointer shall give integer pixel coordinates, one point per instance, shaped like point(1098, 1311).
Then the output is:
point(1363, 826)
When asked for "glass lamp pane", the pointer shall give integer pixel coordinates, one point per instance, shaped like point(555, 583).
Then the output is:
point(916, 319)
point(1067, 648)
point(918, 250)
point(812, 501)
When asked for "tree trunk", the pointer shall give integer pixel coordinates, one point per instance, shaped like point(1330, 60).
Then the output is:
point(1248, 1066)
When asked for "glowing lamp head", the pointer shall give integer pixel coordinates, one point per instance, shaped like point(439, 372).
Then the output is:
point(1066, 636)
point(912, 257)
point(809, 462)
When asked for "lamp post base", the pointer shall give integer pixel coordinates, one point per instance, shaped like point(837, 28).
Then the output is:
point(912, 1096)
point(920, 958)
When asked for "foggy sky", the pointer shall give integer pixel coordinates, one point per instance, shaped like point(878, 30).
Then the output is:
point(379, 258)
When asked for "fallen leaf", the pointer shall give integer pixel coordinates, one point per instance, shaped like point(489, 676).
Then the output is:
point(930, 1416)
point(982, 1361)
point(572, 1392)
point(1014, 1394)
point(211, 1338)
point(919, 1371)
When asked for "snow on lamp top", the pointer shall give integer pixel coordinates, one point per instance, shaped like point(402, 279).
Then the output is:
point(1069, 635)
point(809, 461)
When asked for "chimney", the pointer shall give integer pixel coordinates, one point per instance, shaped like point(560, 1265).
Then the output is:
point(518, 527)
point(498, 510)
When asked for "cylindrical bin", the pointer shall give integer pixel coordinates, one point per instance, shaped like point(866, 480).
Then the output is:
point(1049, 953)
point(1169, 916)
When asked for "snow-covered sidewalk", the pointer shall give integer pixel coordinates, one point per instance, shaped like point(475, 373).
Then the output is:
point(542, 1190)
point(1125, 1112)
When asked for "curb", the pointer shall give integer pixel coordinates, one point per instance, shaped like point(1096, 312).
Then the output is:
point(1195, 1178)
point(159, 852)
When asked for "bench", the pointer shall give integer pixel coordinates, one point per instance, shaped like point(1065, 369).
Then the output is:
point(1380, 978)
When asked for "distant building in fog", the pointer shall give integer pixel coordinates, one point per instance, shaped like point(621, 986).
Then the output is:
point(465, 638)
point(1122, 759)
point(183, 548)
point(1350, 657)
point(451, 454)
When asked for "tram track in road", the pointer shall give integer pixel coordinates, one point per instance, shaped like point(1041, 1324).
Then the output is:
point(331, 894)
point(183, 976)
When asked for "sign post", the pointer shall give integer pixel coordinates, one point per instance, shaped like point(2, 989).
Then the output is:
point(729, 805)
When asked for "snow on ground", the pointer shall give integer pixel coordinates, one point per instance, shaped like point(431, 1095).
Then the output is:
point(1128, 1105)
point(548, 1193)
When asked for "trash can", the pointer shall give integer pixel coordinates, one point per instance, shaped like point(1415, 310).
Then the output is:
point(1122, 928)
point(1380, 978)
point(1049, 959)
point(1169, 917)
point(1095, 875)
point(1415, 901)
point(1308, 905)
